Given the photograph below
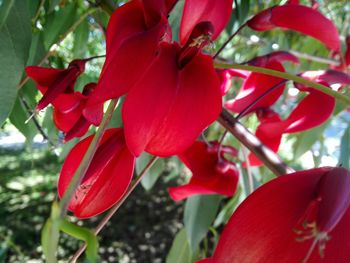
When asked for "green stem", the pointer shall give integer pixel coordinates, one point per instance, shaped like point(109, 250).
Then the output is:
point(84, 164)
point(283, 75)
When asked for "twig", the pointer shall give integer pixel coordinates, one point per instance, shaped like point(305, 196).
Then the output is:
point(36, 122)
point(266, 155)
point(115, 208)
point(229, 40)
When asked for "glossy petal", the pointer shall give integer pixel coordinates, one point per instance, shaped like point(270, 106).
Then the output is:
point(130, 56)
point(209, 174)
point(164, 113)
point(299, 18)
point(107, 178)
point(55, 82)
point(312, 111)
point(328, 76)
point(264, 228)
point(65, 121)
point(256, 85)
point(217, 13)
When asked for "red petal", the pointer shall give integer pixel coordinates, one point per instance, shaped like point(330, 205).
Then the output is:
point(126, 65)
point(312, 111)
point(125, 22)
point(299, 18)
point(256, 85)
point(261, 229)
point(207, 176)
point(65, 121)
point(334, 191)
point(66, 103)
point(44, 76)
point(329, 76)
point(226, 75)
point(78, 130)
point(166, 110)
point(197, 11)
point(107, 178)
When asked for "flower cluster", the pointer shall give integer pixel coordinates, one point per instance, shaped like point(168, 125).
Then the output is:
point(173, 93)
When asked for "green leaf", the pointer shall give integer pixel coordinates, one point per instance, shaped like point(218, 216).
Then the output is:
point(305, 140)
point(228, 209)
point(18, 117)
point(37, 50)
point(81, 37)
point(151, 177)
point(175, 18)
point(344, 159)
point(58, 22)
point(15, 38)
point(180, 250)
point(5, 9)
point(200, 212)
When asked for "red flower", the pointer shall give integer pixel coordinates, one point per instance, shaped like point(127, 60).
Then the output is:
point(76, 121)
point(257, 84)
point(107, 178)
point(299, 18)
point(168, 108)
point(311, 111)
point(212, 173)
point(55, 82)
point(134, 33)
point(299, 217)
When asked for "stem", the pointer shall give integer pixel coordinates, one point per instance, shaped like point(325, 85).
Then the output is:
point(35, 121)
point(266, 155)
point(275, 73)
point(95, 57)
point(115, 208)
point(251, 105)
point(229, 40)
point(84, 165)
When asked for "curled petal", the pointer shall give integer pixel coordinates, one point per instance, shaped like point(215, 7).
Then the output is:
point(107, 178)
point(125, 65)
point(167, 104)
point(312, 111)
point(209, 174)
point(299, 18)
point(217, 13)
point(255, 86)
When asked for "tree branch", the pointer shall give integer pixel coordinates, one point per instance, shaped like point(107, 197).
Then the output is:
point(266, 155)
